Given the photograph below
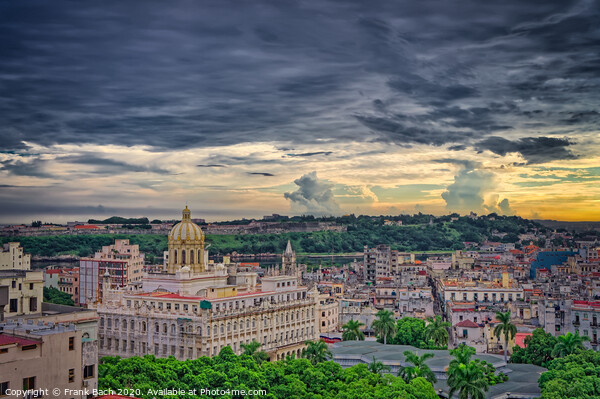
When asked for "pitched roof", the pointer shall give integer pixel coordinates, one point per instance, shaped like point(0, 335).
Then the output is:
point(467, 324)
point(6, 339)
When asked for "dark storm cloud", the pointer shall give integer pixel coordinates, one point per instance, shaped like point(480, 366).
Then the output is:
point(110, 166)
point(261, 174)
point(310, 154)
point(195, 74)
point(533, 149)
point(19, 167)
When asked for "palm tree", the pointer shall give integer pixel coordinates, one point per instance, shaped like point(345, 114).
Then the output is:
point(384, 325)
point(352, 331)
point(507, 328)
point(437, 330)
point(462, 355)
point(568, 344)
point(377, 367)
point(418, 368)
point(468, 380)
point(251, 349)
point(316, 352)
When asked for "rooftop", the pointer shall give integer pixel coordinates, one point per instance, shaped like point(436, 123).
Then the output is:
point(522, 377)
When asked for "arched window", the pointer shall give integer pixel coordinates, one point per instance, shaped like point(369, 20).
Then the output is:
point(222, 328)
point(175, 257)
point(183, 257)
point(215, 330)
point(156, 328)
point(165, 328)
point(132, 325)
point(116, 324)
point(173, 329)
point(192, 257)
point(102, 322)
point(199, 256)
point(143, 326)
point(124, 327)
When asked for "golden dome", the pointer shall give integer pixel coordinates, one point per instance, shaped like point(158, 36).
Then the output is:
point(186, 230)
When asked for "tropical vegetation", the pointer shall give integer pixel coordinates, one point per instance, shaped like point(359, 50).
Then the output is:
point(437, 331)
point(316, 352)
point(293, 378)
point(384, 325)
point(569, 344)
point(251, 349)
point(505, 329)
point(377, 367)
point(413, 331)
point(418, 367)
point(538, 349)
point(575, 376)
point(54, 295)
point(416, 234)
point(465, 376)
point(351, 331)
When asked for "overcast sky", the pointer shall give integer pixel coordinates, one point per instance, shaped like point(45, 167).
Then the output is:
point(245, 108)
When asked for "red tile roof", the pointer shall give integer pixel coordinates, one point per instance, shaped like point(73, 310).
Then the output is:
point(6, 339)
point(467, 324)
point(86, 226)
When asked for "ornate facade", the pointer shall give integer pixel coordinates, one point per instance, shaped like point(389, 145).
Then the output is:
point(195, 308)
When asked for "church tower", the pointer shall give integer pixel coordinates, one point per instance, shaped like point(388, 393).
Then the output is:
point(288, 261)
point(186, 246)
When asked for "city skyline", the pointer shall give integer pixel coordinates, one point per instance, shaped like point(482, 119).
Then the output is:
point(308, 107)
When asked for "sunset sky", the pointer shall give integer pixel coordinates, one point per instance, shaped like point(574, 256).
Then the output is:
point(246, 108)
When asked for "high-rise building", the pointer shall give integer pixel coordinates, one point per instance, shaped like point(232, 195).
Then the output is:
point(123, 262)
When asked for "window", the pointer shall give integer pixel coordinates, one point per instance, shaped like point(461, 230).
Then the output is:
point(3, 388)
point(28, 347)
point(33, 304)
point(71, 375)
point(14, 306)
point(14, 284)
point(71, 343)
point(28, 383)
point(30, 286)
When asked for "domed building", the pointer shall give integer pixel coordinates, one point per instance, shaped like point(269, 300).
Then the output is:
point(186, 246)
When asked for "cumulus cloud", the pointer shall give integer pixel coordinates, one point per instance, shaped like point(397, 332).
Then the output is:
point(313, 196)
point(493, 205)
point(505, 208)
point(469, 189)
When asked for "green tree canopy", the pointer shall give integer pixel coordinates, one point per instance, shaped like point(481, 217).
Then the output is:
point(538, 349)
point(53, 295)
point(568, 344)
point(293, 378)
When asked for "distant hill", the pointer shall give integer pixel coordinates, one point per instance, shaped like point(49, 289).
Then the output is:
point(120, 220)
point(571, 226)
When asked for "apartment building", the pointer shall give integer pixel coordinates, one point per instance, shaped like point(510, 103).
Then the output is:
point(13, 257)
point(25, 286)
point(39, 357)
point(123, 262)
